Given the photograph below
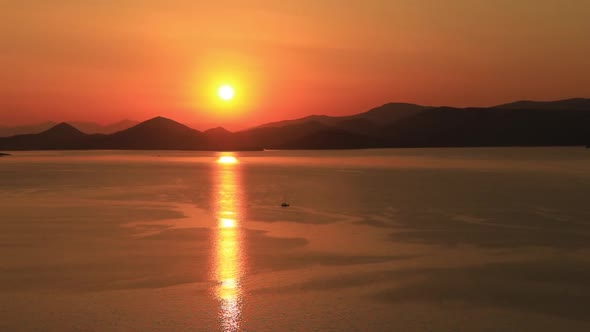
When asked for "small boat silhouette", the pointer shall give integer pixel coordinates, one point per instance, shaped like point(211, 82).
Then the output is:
point(285, 204)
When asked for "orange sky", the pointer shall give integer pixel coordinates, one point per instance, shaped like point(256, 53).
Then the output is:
point(116, 59)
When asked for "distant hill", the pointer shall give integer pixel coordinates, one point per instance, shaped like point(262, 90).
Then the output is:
point(389, 113)
point(94, 128)
point(279, 137)
point(384, 114)
point(155, 134)
point(86, 127)
point(565, 123)
point(220, 139)
point(332, 139)
point(445, 126)
point(575, 104)
point(60, 137)
point(6, 131)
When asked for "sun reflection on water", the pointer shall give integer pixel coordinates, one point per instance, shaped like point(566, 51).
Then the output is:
point(228, 255)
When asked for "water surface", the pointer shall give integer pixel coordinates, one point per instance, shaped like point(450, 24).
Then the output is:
point(380, 240)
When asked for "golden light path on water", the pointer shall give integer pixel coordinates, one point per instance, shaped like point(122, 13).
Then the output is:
point(228, 261)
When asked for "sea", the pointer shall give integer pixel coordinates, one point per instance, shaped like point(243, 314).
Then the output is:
point(454, 239)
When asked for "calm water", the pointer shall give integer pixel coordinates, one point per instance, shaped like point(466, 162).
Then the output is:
point(374, 240)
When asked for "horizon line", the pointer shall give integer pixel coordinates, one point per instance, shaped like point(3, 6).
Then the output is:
point(191, 125)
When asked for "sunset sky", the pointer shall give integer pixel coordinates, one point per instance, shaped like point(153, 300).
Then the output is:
point(104, 61)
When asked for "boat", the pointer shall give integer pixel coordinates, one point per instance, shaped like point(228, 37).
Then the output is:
point(285, 204)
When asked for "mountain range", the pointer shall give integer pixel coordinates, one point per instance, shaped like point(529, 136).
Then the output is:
point(86, 127)
point(522, 123)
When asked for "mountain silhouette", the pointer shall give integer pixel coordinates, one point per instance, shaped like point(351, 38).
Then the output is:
point(523, 123)
point(574, 104)
point(158, 133)
point(446, 126)
point(384, 114)
point(94, 128)
point(61, 136)
point(323, 119)
point(389, 113)
point(86, 127)
point(221, 139)
point(62, 131)
point(6, 131)
point(279, 137)
point(332, 139)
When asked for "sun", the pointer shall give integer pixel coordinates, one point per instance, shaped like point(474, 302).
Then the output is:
point(226, 92)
